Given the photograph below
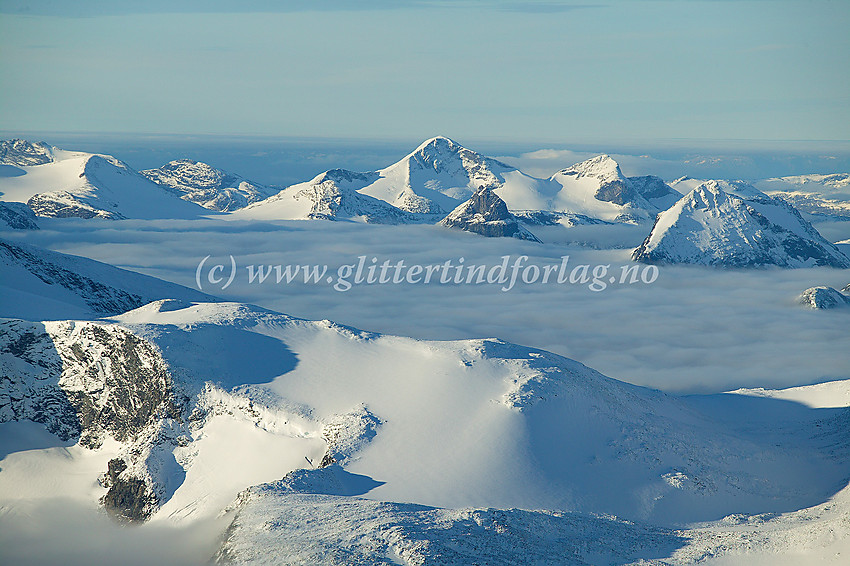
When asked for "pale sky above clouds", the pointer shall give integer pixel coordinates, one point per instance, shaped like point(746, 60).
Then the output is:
point(501, 70)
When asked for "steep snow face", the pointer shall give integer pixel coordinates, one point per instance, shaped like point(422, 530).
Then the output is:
point(19, 152)
point(487, 214)
point(38, 284)
point(207, 186)
point(441, 174)
point(329, 196)
point(17, 216)
point(823, 298)
point(735, 225)
point(83, 185)
point(598, 189)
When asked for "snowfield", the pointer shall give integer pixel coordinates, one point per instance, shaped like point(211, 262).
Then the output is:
point(698, 418)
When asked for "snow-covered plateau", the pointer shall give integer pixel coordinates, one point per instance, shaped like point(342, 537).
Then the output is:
point(701, 417)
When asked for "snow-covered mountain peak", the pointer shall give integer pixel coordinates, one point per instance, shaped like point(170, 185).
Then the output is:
point(203, 184)
point(732, 224)
point(740, 189)
point(602, 166)
point(197, 172)
point(24, 153)
point(437, 144)
point(443, 155)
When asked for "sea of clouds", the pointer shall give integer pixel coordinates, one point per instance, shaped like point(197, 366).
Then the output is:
point(694, 329)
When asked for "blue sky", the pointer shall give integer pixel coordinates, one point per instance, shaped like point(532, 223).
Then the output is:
point(499, 70)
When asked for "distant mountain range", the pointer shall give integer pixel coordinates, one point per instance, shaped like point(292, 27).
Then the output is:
point(712, 224)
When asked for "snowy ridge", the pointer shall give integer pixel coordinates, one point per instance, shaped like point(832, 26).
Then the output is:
point(823, 298)
point(40, 284)
point(271, 524)
point(734, 225)
point(84, 185)
point(17, 216)
point(329, 196)
point(486, 214)
point(207, 186)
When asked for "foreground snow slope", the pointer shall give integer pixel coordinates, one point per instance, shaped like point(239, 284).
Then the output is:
point(517, 427)
point(314, 517)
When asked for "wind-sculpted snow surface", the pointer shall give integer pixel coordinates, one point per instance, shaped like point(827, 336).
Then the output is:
point(310, 517)
point(735, 225)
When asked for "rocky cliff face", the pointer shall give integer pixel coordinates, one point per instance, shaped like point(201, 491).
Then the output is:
point(23, 153)
point(486, 214)
point(92, 381)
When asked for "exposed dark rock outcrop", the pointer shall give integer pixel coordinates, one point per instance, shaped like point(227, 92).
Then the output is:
point(128, 498)
point(486, 214)
point(332, 202)
point(23, 153)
